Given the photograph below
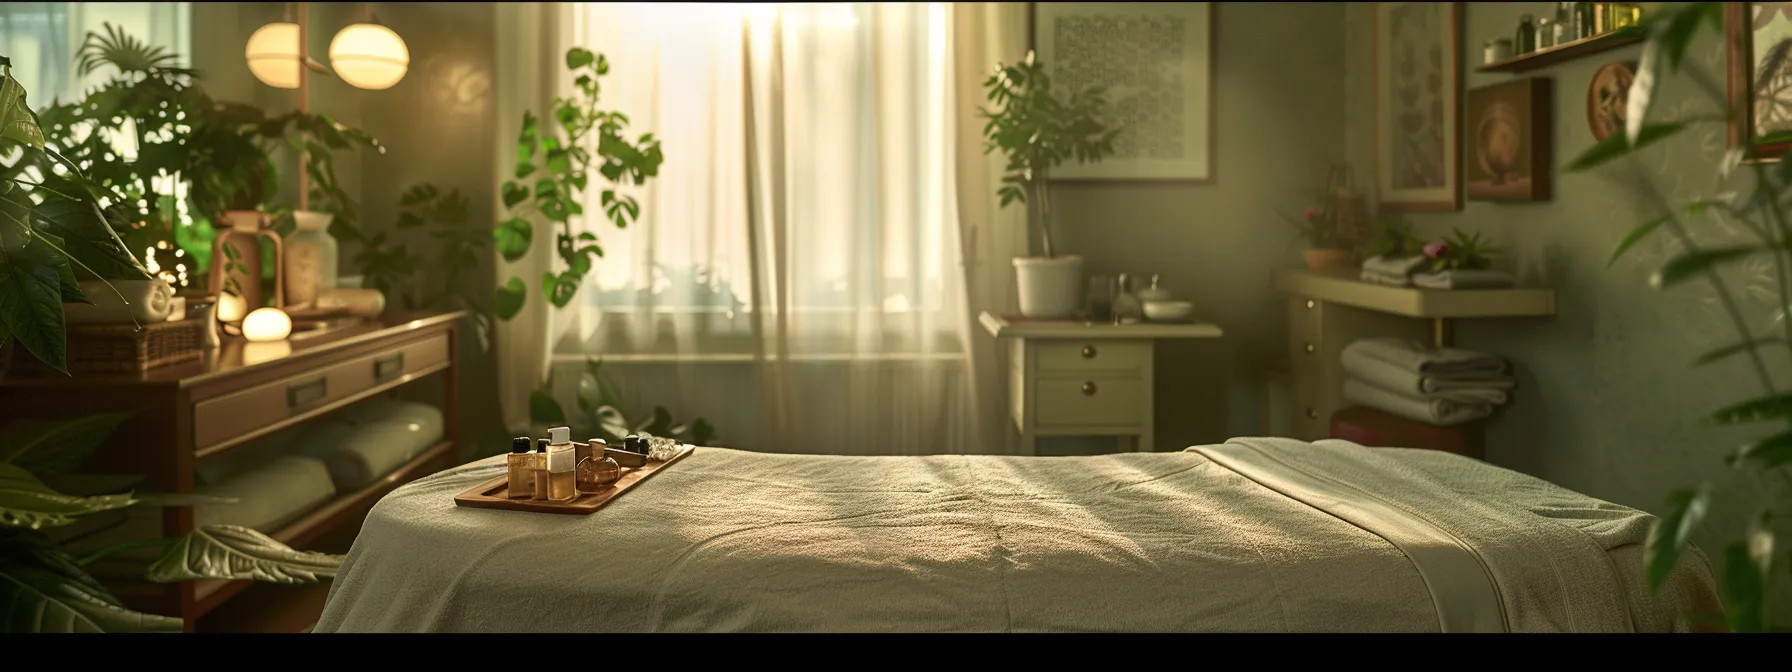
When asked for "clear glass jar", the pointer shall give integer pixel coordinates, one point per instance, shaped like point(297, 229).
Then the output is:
point(311, 259)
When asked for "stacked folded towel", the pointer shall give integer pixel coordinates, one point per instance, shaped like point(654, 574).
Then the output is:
point(1392, 271)
point(1438, 386)
point(1466, 278)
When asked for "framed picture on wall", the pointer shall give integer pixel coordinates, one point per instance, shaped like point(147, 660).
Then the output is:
point(1155, 61)
point(1418, 134)
point(1759, 93)
point(1508, 126)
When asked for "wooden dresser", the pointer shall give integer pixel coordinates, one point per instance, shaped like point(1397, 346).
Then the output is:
point(197, 411)
point(1328, 310)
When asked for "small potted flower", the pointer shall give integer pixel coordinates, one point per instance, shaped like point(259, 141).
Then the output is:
point(1329, 247)
point(1463, 251)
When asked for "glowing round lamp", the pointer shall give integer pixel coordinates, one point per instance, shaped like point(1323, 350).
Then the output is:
point(231, 307)
point(273, 55)
point(267, 324)
point(369, 56)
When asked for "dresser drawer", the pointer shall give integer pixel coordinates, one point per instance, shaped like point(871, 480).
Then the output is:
point(1096, 400)
point(1084, 356)
point(249, 412)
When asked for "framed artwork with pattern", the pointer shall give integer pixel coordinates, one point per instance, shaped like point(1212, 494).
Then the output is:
point(1418, 120)
point(1155, 61)
point(1759, 76)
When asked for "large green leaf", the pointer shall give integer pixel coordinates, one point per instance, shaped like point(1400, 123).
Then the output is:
point(507, 301)
point(543, 410)
point(241, 554)
point(26, 502)
point(1673, 530)
point(1683, 267)
point(1773, 407)
point(1744, 590)
point(1770, 452)
point(16, 121)
point(90, 239)
point(51, 447)
point(31, 308)
point(43, 590)
point(513, 237)
point(1635, 236)
point(513, 194)
point(1683, 25)
point(579, 57)
point(1618, 145)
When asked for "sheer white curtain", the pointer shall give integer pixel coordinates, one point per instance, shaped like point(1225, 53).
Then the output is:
point(795, 276)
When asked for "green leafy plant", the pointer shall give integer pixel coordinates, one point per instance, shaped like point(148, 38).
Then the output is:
point(1752, 564)
point(601, 412)
point(559, 159)
point(1461, 251)
point(43, 588)
point(1037, 131)
point(1392, 237)
point(1319, 227)
point(390, 264)
point(52, 230)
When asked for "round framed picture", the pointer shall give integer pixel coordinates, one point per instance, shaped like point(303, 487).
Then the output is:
point(1607, 98)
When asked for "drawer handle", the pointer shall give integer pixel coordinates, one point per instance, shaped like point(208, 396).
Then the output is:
point(1088, 352)
point(388, 368)
point(1309, 347)
point(299, 394)
point(1310, 303)
point(1089, 388)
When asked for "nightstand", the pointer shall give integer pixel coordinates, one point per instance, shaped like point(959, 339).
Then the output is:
point(1073, 378)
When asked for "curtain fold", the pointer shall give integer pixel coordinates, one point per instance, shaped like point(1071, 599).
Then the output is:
point(985, 35)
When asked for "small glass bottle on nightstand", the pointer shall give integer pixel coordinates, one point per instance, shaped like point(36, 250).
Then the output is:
point(1127, 309)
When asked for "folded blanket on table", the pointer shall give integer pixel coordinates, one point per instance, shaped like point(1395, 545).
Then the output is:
point(1481, 388)
point(1385, 279)
point(1464, 279)
point(1440, 412)
point(1393, 266)
point(1426, 361)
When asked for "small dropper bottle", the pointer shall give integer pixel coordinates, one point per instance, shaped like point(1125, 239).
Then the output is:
point(538, 464)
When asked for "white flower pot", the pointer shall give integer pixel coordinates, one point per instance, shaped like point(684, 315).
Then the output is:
point(1050, 287)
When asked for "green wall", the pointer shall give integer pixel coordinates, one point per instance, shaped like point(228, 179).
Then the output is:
point(1606, 400)
point(1278, 82)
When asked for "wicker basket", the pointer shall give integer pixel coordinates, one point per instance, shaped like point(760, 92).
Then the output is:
point(123, 348)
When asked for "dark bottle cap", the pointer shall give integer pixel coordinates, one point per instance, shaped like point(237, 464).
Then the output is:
point(541, 445)
point(635, 444)
point(520, 444)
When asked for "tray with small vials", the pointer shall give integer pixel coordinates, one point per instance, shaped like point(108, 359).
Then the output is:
point(572, 477)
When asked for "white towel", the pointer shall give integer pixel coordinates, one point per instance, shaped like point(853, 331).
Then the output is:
point(1425, 361)
point(1465, 279)
point(1440, 412)
point(1379, 278)
point(1394, 266)
point(1489, 389)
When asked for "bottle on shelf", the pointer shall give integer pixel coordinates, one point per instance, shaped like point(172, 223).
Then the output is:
point(1525, 40)
point(1127, 308)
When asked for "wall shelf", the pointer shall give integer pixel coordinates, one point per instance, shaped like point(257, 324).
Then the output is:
point(1586, 46)
point(1344, 288)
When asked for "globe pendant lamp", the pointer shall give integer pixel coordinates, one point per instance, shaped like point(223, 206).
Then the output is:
point(369, 56)
point(273, 55)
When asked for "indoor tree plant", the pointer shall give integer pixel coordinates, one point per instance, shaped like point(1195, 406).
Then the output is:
point(1037, 132)
point(1751, 565)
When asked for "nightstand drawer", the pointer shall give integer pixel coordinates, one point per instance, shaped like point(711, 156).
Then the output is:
point(1094, 355)
point(254, 411)
point(1096, 400)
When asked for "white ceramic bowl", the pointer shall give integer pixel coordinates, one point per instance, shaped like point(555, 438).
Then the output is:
point(1169, 311)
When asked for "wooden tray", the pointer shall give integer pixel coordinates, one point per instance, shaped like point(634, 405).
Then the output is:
point(495, 493)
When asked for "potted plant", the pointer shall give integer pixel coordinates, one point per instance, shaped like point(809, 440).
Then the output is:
point(1038, 131)
point(1328, 247)
point(1460, 251)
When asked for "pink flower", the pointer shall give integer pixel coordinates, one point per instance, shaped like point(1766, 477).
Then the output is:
point(1436, 249)
point(1312, 215)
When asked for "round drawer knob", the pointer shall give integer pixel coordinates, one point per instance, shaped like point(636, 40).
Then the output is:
point(1088, 352)
point(1312, 414)
point(1089, 388)
point(1310, 303)
point(1309, 347)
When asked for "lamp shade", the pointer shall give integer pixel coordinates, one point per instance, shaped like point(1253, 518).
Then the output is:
point(273, 55)
point(369, 56)
point(267, 324)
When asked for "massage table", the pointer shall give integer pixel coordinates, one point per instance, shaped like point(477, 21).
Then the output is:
point(1254, 535)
